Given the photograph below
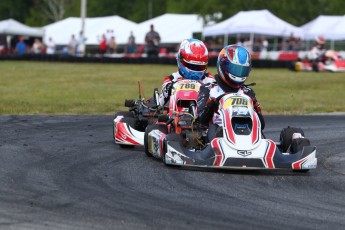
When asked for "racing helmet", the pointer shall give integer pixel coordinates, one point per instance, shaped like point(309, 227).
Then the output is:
point(320, 40)
point(192, 59)
point(234, 65)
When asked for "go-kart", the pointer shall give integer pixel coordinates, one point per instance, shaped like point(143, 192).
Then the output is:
point(330, 61)
point(129, 126)
point(181, 120)
point(240, 144)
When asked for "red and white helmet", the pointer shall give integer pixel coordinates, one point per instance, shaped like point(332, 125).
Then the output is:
point(320, 40)
point(192, 59)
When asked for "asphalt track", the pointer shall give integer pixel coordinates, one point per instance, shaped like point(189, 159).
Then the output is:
point(64, 172)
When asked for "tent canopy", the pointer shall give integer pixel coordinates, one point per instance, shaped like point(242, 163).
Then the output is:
point(261, 22)
point(172, 28)
point(62, 31)
point(13, 27)
point(331, 27)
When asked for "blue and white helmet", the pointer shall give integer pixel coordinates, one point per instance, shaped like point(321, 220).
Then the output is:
point(234, 65)
point(192, 59)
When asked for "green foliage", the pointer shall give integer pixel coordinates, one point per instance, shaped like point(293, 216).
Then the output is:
point(67, 88)
point(296, 12)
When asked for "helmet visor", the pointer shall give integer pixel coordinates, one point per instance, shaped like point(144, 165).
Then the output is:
point(194, 67)
point(238, 70)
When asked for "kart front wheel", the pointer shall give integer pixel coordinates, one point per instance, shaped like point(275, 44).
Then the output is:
point(149, 128)
point(170, 137)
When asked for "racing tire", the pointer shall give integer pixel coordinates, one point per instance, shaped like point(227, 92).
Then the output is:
point(315, 67)
point(171, 137)
point(149, 128)
point(124, 114)
point(131, 121)
point(286, 137)
point(300, 170)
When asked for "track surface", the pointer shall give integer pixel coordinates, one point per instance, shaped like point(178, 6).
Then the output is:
point(64, 172)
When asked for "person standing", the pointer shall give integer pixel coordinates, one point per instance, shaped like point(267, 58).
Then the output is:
point(152, 40)
point(131, 47)
point(102, 45)
point(20, 46)
point(112, 45)
point(50, 46)
point(81, 44)
point(37, 47)
point(72, 45)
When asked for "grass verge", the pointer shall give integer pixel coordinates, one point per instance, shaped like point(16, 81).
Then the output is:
point(84, 88)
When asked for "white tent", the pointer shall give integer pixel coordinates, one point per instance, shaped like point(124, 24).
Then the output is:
point(331, 27)
point(62, 31)
point(13, 27)
point(337, 32)
point(261, 22)
point(172, 28)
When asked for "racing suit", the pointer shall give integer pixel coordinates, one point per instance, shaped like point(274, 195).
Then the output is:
point(316, 53)
point(208, 102)
point(169, 81)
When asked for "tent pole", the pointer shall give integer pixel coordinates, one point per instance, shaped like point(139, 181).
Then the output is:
point(83, 14)
point(251, 41)
point(225, 39)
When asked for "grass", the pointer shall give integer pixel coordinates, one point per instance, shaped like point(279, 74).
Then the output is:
point(84, 88)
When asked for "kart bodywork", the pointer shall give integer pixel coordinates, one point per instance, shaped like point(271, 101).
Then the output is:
point(129, 127)
point(331, 61)
point(241, 145)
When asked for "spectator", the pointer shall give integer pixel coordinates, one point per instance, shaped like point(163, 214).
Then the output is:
point(20, 46)
point(37, 47)
point(109, 34)
point(112, 45)
point(248, 45)
point(239, 42)
point(292, 42)
point(50, 46)
point(102, 45)
point(72, 45)
point(257, 45)
point(152, 40)
point(220, 44)
point(283, 45)
point(299, 44)
point(264, 44)
point(131, 47)
point(81, 44)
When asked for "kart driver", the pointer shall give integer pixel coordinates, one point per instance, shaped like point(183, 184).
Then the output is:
point(318, 51)
point(233, 67)
point(192, 60)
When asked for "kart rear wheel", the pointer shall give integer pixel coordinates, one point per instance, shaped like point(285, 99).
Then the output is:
point(131, 121)
point(286, 137)
point(149, 128)
point(124, 114)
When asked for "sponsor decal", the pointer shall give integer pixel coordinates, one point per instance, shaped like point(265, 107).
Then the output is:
point(244, 153)
point(155, 145)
